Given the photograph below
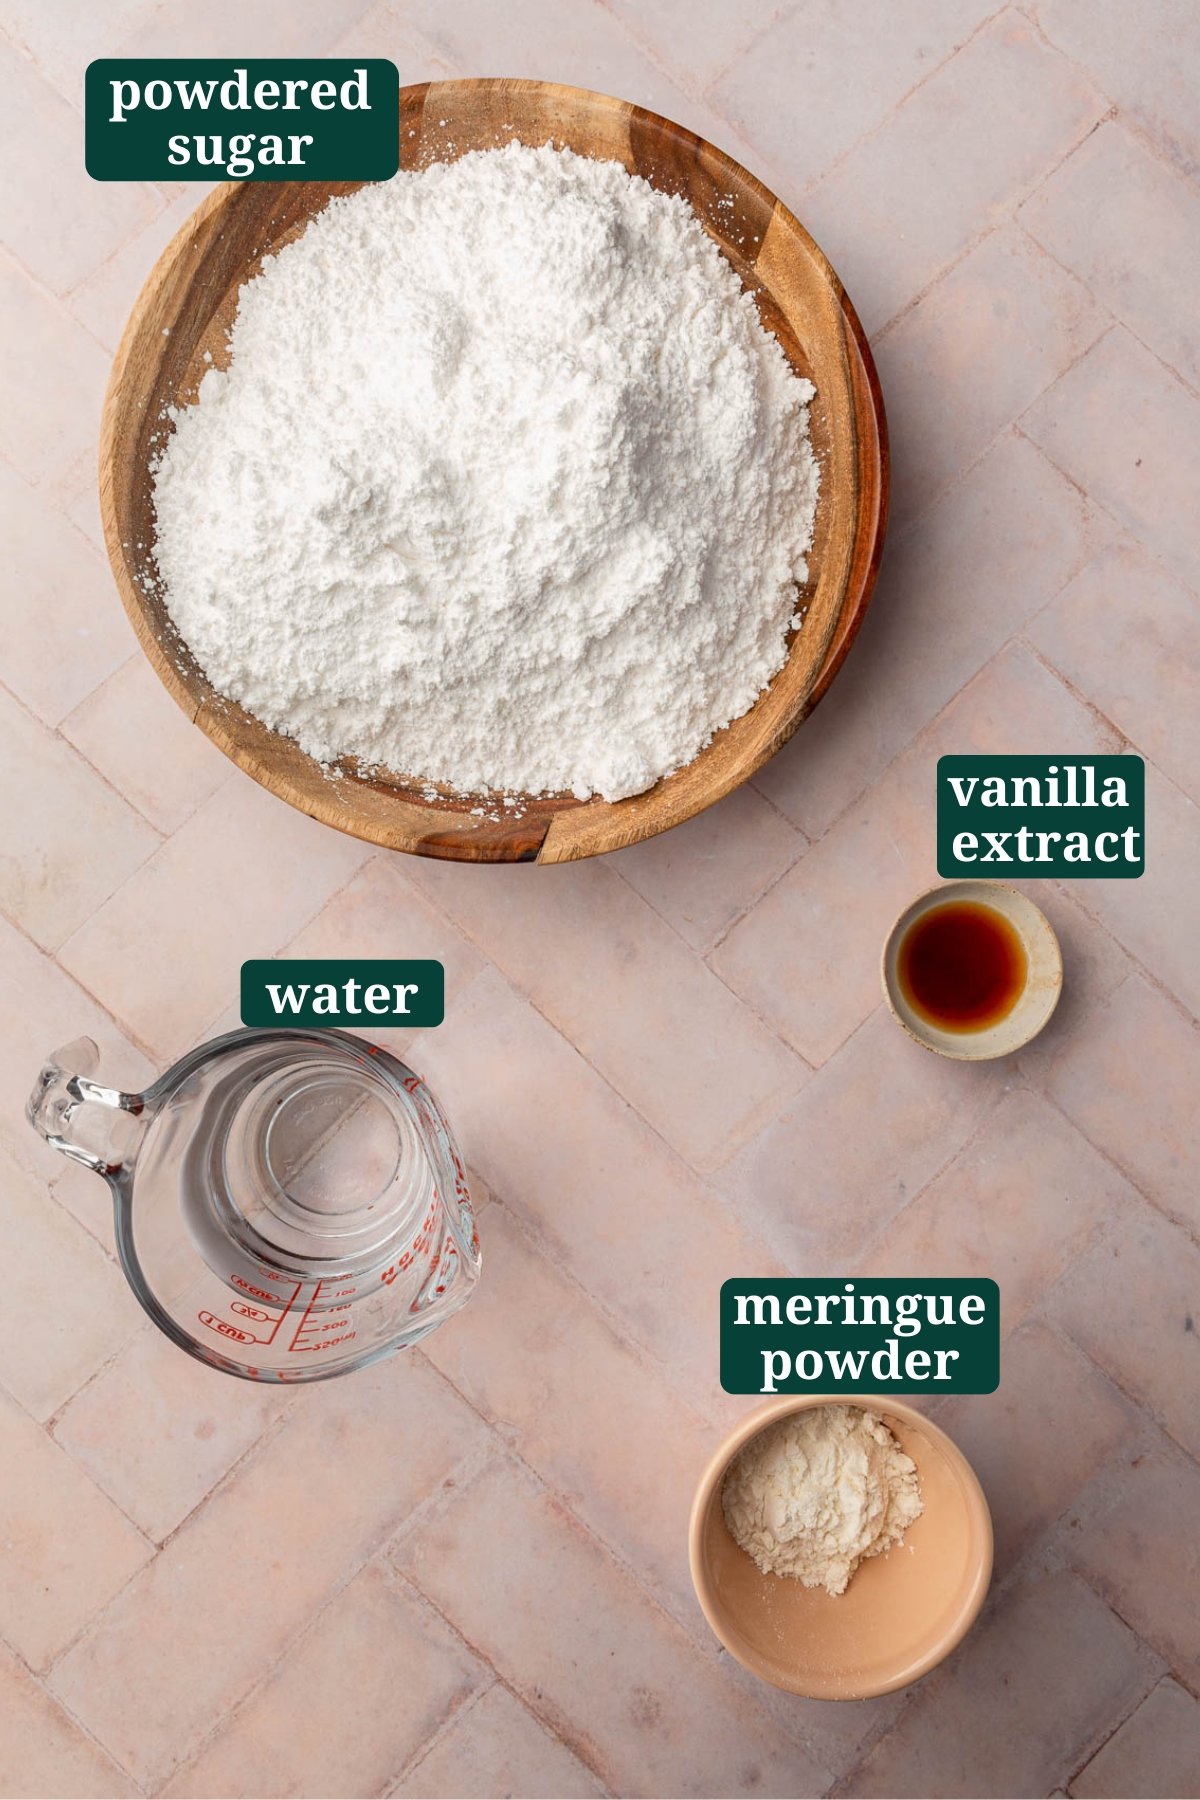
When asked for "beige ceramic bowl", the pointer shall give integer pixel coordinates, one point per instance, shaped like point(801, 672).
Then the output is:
point(902, 1612)
point(1043, 983)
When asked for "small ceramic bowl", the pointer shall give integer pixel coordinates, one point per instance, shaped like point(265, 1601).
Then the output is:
point(1038, 999)
point(902, 1613)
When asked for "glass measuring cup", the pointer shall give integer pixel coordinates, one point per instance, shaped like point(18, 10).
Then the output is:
point(288, 1205)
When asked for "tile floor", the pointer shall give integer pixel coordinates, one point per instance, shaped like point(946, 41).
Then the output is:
point(464, 1573)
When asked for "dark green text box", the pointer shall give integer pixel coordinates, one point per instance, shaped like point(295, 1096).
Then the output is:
point(152, 119)
point(352, 995)
point(778, 1338)
point(1063, 816)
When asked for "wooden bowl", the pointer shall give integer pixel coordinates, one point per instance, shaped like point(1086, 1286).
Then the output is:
point(903, 1612)
point(188, 304)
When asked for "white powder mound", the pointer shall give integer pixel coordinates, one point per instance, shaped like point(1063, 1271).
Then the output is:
point(506, 487)
point(816, 1493)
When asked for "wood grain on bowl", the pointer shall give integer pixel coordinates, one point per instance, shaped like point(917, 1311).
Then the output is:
point(180, 326)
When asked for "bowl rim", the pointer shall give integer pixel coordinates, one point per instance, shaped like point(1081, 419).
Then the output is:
point(973, 1047)
point(708, 1489)
point(565, 831)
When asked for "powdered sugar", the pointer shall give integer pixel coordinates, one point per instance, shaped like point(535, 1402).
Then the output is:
point(506, 488)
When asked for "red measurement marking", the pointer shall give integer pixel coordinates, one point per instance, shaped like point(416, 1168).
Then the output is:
point(224, 1328)
point(265, 1318)
point(259, 1293)
point(295, 1343)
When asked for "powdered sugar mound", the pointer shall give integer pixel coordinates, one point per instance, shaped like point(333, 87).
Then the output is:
point(505, 488)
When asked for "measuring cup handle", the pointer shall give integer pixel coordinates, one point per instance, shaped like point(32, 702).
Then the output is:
point(97, 1126)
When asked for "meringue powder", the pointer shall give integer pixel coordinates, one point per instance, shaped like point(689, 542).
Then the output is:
point(818, 1492)
point(504, 487)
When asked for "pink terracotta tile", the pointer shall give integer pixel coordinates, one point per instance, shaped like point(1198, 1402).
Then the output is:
point(995, 331)
point(83, 1194)
point(596, 1421)
point(59, 861)
point(67, 1308)
point(908, 200)
point(1139, 1047)
point(105, 299)
point(1040, 1438)
point(1133, 1540)
point(702, 875)
point(820, 1184)
point(385, 31)
point(616, 980)
point(834, 910)
point(496, 1746)
point(67, 1549)
point(1008, 536)
point(1035, 1687)
point(254, 1564)
point(373, 1676)
point(53, 572)
point(1150, 916)
point(792, 93)
point(569, 1630)
point(76, 490)
point(1129, 227)
point(1127, 635)
point(608, 1199)
point(44, 1752)
point(56, 219)
point(1132, 1303)
point(1156, 1752)
point(586, 46)
point(226, 28)
point(50, 393)
point(1147, 71)
point(1018, 1204)
point(697, 39)
point(157, 1430)
point(63, 40)
point(1125, 428)
point(1094, 966)
point(237, 880)
point(45, 1009)
point(133, 732)
point(380, 914)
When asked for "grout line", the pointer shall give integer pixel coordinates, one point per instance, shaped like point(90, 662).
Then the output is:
point(1110, 1732)
point(73, 752)
point(876, 130)
point(623, 1327)
point(465, 1469)
point(1124, 532)
point(59, 1705)
point(457, 1714)
point(1128, 118)
point(698, 91)
point(618, 1328)
point(701, 951)
point(871, 1243)
point(578, 1050)
point(499, 1453)
point(649, 1589)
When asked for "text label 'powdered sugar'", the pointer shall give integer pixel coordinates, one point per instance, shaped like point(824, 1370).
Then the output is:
point(270, 119)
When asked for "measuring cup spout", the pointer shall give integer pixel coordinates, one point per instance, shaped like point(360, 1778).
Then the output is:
point(97, 1126)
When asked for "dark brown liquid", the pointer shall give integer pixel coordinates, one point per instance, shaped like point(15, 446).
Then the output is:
point(962, 966)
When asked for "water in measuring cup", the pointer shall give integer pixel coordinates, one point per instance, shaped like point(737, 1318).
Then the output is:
point(307, 1206)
